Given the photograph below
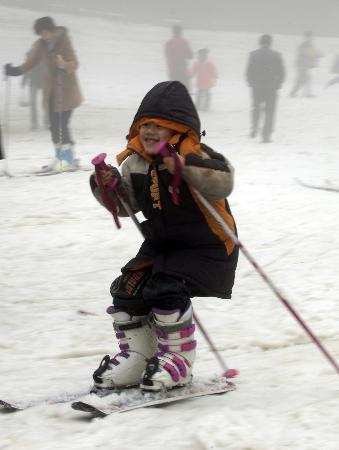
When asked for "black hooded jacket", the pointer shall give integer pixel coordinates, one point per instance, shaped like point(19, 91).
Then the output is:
point(180, 240)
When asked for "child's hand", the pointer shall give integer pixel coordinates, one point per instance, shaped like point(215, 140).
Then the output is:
point(170, 163)
point(106, 174)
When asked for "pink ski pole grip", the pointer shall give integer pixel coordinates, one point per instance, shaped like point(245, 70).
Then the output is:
point(99, 161)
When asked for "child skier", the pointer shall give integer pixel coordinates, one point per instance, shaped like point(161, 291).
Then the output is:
point(206, 75)
point(185, 252)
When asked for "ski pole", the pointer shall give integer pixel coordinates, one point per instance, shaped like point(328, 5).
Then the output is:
point(99, 163)
point(60, 95)
point(228, 373)
point(166, 149)
point(266, 279)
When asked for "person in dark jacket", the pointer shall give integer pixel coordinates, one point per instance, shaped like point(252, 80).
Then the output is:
point(265, 74)
point(34, 81)
point(61, 93)
point(177, 53)
point(185, 252)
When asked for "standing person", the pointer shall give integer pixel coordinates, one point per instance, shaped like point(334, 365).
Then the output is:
point(34, 80)
point(265, 74)
point(177, 53)
point(61, 91)
point(307, 59)
point(206, 75)
point(185, 252)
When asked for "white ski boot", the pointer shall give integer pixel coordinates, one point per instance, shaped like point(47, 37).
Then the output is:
point(172, 365)
point(137, 342)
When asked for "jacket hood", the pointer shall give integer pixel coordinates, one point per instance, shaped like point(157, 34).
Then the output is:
point(168, 100)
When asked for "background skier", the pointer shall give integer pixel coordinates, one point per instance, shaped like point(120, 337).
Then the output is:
point(307, 59)
point(61, 90)
point(206, 75)
point(265, 74)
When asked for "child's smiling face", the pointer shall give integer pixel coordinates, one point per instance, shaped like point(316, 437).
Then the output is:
point(151, 134)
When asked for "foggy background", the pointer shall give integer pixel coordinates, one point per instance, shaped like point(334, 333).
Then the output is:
point(270, 16)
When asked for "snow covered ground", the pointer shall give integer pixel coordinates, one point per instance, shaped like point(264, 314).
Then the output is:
point(60, 251)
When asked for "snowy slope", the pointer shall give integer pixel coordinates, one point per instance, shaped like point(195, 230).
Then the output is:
point(60, 251)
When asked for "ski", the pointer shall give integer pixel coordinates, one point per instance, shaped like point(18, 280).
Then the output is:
point(134, 398)
point(7, 406)
point(5, 173)
point(50, 173)
point(61, 172)
point(319, 187)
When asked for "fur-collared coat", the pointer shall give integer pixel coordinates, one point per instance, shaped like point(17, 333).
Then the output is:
point(62, 87)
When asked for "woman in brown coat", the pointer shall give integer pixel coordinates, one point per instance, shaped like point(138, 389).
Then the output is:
point(61, 93)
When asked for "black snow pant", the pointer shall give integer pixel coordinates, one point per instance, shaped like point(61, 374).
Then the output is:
point(59, 126)
point(138, 291)
point(266, 98)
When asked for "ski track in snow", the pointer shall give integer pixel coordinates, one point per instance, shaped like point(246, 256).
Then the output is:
point(60, 251)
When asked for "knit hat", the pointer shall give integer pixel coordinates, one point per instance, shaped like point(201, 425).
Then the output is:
point(44, 24)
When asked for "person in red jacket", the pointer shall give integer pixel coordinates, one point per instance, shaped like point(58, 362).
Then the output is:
point(177, 53)
point(206, 75)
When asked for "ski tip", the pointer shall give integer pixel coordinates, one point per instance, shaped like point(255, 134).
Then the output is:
point(5, 173)
point(8, 407)
point(231, 373)
point(86, 407)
